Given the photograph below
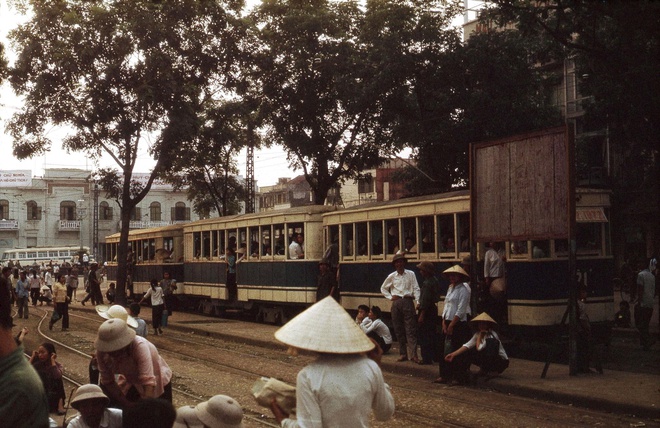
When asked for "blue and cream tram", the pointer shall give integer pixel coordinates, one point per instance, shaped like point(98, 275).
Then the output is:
point(436, 229)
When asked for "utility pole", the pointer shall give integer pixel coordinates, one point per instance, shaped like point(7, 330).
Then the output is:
point(249, 179)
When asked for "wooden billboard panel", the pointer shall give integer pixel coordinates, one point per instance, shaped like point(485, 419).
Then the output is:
point(520, 187)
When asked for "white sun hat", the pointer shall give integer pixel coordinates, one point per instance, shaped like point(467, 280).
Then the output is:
point(116, 311)
point(113, 335)
point(186, 417)
point(220, 411)
point(325, 327)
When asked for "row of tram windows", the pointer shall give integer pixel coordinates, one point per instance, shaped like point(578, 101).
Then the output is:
point(447, 236)
point(146, 250)
point(443, 236)
point(267, 241)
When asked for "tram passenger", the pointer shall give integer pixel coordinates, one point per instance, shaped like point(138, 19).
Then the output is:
point(157, 305)
point(119, 351)
point(484, 349)
point(92, 404)
point(230, 258)
point(454, 322)
point(427, 317)
point(296, 249)
point(402, 289)
point(44, 361)
point(343, 385)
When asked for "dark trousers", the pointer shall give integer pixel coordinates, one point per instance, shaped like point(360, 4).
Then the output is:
point(460, 335)
point(157, 315)
point(384, 346)
point(133, 395)
point(487, 364)
point(23, 303)
point(643, 322)
point(34, 294)
point(63, 310)
point(427, 335)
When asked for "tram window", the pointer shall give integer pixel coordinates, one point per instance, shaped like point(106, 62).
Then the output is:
point(347, 240)
point(588, 238)
point(242, 240)
point(377, 237)
point(409, 235)
point(540, 249)
point(362, 246)
point(428, 240)
point(294, 230)
point(197, 245)
point(519, 249)
point(253, 233)
point(279, 243)
point(446, 233)
point(206, 244)
point(231, 239)
point(464, 231)
point(392, 236)
point(266, 242)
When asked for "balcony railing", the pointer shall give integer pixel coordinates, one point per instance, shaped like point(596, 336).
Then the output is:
point(69, 225)
point(8, 224)
point(138, 224)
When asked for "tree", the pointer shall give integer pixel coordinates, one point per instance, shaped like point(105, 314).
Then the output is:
point(208, 168)
point(317, 88)
point(3, 63)
point(119, 75)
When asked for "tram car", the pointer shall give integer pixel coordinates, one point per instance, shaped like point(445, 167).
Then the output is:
point(434, 228)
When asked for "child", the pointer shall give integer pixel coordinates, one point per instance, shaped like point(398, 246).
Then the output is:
point(141, 329)
point(110, 294)
point(622, 318)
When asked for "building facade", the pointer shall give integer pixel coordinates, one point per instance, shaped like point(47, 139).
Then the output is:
point(66, 208)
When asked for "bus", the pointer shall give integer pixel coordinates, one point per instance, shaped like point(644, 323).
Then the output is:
point(35, 256)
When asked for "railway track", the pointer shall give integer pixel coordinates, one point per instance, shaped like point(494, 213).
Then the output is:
point(243, 363)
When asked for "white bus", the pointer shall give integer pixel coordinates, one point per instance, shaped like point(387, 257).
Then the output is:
point(37, 255)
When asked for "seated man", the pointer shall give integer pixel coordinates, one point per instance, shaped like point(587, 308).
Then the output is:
point(46, 295)
point(362, 318)
point(92, 404)
point(378, 330)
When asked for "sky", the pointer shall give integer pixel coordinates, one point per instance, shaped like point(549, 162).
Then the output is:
point(269, 164)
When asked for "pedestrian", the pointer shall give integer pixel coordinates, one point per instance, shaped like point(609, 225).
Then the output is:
point(61, 304)
point(72, 284)
point(230, 259)
point(427, 317)
point(326, 282)
point(645, 302)
point(495, 282)
point(484, 349)
point(343, 385)
point(35, 286)
point(378, 330)
point(44, 361)
point(95, 284)
point(22, 397)
point(92, 404)
point(141, 329)
point(402, 289)
point(23, 295)
point(455, 327)
point(168, 284)
point(157, 305)
point(119, 351)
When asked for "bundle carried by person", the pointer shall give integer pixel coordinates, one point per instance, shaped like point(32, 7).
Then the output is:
point(265, 389)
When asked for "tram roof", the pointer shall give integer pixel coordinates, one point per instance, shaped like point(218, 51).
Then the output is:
point(409, 200)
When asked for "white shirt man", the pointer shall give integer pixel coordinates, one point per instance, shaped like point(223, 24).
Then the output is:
point(296, 250)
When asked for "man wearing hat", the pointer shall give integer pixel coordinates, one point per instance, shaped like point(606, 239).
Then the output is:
point(92, 404)
point(402, 289)
point(120, 351)
point(326, 282)
point(342, 386)
point(22, 397)
point(95, 284)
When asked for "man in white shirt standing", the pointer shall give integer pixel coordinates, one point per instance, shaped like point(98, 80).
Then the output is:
point(495, 283)
point(402, 289)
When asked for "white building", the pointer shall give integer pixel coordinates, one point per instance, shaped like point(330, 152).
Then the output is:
point(66, 208)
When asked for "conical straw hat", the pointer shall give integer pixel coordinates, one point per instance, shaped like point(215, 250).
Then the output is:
point(325, 327)
point(456, 269)
point(483, 317)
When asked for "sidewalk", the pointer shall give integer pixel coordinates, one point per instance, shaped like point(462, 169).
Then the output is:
point(615, 391)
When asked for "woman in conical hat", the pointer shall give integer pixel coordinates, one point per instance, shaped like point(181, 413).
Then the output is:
point(343, 385)
point(485, 349)
point(455, 321)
